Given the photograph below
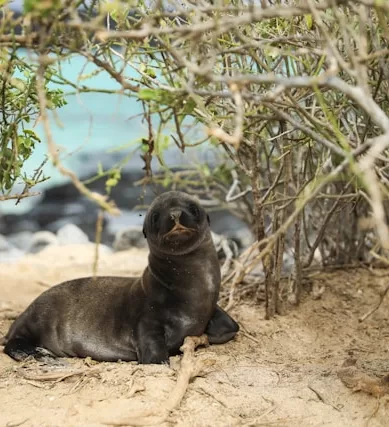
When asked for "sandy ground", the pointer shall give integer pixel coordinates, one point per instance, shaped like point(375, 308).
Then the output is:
point(281, 372)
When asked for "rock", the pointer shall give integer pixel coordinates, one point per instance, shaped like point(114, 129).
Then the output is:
point(21, 240)
point(41, 239)
point(71, 234)
point(4, 244)
point(226, 248)
point(233, 228)
point(8, 252)
point(242, 236)
point(86, 222)
point(62, 203)
point(11, 223)
point(131, 237)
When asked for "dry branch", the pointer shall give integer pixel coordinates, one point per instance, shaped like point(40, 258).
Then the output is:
point(190, 368)
point(58, 376)
point(374, 309)
point(296, 94)
point(19, 196)
point(54, 155)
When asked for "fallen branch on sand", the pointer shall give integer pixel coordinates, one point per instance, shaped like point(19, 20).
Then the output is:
point(374, 309)
point(59, 376)
point(190, 368)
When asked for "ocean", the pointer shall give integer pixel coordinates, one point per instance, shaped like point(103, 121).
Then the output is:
point(96, 123)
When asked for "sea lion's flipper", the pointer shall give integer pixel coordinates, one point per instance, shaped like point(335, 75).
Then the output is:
point(221, 328)
point(151, 344)
point(20, 349)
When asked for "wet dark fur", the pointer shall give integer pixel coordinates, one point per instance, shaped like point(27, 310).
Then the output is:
point(144, 319)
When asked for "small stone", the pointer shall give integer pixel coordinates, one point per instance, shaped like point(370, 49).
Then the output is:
point(21, 240)
point(8, 253)
point(71, 234)
point(131, 237)
point(4, 244)
point(41, 239)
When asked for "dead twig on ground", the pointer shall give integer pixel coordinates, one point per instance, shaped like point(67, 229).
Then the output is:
point(322, 398)
point(58, 376)
point(17, 424)
point(268, 411)
point(374, 309)
point(190, 368)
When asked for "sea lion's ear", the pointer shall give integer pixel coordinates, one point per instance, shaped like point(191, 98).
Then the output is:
point(209, 221)
point(144, 232)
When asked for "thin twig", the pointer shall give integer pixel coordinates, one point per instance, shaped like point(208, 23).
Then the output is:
point(97, 198)
point(374, 309)
point(190, 368)
point(19, 196)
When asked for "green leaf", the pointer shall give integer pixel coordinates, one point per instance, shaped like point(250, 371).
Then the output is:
point(147, 94)
point(100, 169)
point(308, 21)
point(144, 147)
point(31, 134)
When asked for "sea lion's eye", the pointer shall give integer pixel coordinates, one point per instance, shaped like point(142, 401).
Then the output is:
point(194, 210)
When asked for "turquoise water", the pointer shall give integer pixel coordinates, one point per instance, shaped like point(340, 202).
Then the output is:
point(90, 122)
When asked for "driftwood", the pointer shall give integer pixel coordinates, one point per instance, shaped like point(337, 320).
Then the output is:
point(190, 368)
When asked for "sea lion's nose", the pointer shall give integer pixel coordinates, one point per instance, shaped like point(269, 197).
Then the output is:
point(175, 215)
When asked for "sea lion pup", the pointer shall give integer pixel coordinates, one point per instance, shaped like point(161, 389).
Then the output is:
point(144, 319)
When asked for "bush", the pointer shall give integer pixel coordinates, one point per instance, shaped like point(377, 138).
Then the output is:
point(296, 93)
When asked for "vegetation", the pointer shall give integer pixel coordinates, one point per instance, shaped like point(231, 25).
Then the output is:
point(296, 93)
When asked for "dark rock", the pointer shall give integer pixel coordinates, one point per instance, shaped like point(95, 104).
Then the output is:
point(48, 211)
point(62, 204)
point(11, 224)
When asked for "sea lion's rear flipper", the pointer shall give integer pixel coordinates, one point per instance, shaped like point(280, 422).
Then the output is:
point(221, 328)
point(20, 349)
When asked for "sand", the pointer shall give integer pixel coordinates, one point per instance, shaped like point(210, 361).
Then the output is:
point(280, 372)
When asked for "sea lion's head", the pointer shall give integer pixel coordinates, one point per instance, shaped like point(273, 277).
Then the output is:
point(175, 223)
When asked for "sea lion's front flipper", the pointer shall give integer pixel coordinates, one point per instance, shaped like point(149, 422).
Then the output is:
point(221, 328)
point(151, 347)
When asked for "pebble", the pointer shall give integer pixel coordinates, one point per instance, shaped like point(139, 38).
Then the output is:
point(131, 237)
point(71, 234)
point(8, 252)
point(41, 239)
